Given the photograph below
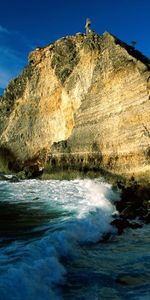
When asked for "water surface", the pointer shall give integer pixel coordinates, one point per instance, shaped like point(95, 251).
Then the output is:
point(51, 244)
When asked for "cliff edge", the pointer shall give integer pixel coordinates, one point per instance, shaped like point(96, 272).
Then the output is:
point(82, 102)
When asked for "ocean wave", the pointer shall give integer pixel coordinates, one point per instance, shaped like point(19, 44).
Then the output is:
point(37, 271)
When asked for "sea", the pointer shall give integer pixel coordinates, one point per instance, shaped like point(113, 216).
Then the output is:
point(56, 242)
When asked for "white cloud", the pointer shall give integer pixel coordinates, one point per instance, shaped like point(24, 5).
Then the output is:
point(3, 30)
point(5, 76)
point(13, 54)
point(11, 64)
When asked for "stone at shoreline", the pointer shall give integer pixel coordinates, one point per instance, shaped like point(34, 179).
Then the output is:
point(135, 202)
point(122, 223)
point(133, 206)
point(11, 178)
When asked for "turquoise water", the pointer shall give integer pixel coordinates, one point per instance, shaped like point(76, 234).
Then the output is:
point(51, 244)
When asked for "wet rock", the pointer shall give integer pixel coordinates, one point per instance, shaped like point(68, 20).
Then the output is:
point(121, 224)
point(135, 200)
point(11, 178)
point(133, 207)
point(135, 279)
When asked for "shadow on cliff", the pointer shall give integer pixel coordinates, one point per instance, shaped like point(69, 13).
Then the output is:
point(25, 170)
point(8, 161)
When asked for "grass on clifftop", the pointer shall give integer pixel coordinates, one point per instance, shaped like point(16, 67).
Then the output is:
point(69, 175)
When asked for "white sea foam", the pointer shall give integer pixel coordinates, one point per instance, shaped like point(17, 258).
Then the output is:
point(37, 272)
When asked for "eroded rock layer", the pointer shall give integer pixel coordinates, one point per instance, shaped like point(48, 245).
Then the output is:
point(82, 102)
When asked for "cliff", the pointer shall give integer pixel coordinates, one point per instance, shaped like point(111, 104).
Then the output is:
point(83, 103)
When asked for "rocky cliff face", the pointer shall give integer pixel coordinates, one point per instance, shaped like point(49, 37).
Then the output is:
point(82, 102)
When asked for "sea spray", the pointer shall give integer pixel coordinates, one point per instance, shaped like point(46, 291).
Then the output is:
point(35, 270)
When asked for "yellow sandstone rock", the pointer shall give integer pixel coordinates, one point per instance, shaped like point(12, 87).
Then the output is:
point(83, 102)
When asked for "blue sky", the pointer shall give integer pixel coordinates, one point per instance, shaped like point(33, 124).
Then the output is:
point(26, 24)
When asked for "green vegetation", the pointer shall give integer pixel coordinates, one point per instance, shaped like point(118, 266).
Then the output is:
point(92, 41)
point(16, 87)
point(64, 59)
point(69, 175)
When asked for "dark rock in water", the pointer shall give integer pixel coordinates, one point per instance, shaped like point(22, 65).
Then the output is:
point(135, 201)
point(134, 205)
point(133, 280)
point(121, 224)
